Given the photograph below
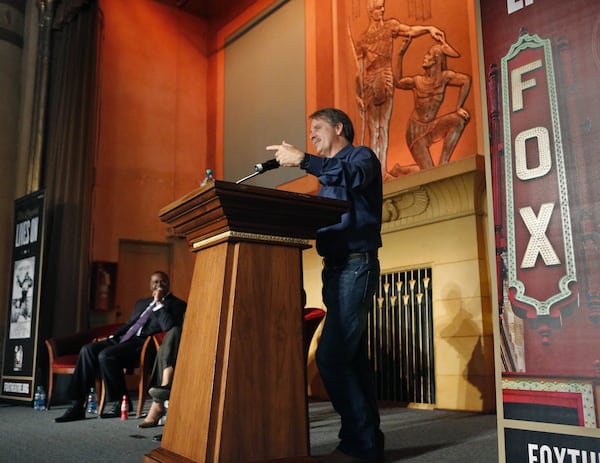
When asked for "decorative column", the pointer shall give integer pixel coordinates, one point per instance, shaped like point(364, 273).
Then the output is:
point(46, 14)
point(12, 14)
point(11, 53)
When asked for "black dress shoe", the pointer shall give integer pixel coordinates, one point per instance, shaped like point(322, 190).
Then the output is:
point(113, 412)
point(72, 414)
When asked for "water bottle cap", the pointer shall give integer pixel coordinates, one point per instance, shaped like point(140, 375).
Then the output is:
point(209, 171)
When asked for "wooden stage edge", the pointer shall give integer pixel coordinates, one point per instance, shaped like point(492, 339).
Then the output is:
point(164, 456)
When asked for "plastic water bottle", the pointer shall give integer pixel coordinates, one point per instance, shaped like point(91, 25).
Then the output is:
point(124, 408)
point(208, 178)
point(39, 399)
point(92, 401)
point(36, 399)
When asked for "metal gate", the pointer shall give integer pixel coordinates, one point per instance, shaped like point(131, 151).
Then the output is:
point(401, 337)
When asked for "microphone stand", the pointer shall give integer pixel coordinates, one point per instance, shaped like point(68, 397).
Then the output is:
point(248, 177)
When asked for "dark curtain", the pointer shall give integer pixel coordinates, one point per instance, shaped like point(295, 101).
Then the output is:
point(68, 160)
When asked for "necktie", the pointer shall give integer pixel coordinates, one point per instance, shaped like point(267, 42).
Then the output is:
point(141, 321)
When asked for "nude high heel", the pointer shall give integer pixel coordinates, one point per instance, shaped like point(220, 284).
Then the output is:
point(155, 413)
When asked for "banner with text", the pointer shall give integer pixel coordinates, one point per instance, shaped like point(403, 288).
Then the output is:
point(542, 61)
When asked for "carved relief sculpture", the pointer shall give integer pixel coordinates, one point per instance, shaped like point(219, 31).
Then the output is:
point(424, 126)
point(373, 53)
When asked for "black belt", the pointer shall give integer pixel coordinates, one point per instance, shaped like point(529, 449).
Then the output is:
point(337, 261)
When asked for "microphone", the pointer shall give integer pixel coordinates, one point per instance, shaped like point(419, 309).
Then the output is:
point(267, 165)
point(261, 169)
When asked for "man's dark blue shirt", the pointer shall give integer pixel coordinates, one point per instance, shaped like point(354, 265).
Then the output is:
point(354, 175)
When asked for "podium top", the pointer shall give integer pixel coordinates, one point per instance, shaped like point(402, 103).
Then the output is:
point(246, 209)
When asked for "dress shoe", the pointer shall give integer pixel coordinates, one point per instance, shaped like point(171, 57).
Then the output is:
point(157, 438)
point(161, 393)
point(74, 413)
point(337, 456)
point(114, 411)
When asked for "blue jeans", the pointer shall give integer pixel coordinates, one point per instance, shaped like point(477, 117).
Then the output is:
point(348, 289)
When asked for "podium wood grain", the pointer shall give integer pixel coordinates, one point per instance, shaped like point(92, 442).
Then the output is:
point(239, 391)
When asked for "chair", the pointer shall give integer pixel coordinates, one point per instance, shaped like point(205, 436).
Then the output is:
point(64, 351)
point(143, 369)
point(312, 319)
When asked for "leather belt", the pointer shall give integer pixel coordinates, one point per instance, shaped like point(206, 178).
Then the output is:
point(338, 261)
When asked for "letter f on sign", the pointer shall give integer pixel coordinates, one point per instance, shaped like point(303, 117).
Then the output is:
point(519, 85)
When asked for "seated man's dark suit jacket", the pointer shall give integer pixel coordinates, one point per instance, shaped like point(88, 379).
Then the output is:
point(171, 314)
point(108, 358)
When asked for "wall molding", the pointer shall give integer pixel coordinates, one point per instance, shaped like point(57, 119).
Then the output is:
point(445, 192)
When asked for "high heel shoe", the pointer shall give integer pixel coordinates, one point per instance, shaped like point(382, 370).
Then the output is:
point(155, 413)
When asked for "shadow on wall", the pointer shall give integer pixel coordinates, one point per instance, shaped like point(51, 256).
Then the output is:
point(477, 361)
point(467, 338)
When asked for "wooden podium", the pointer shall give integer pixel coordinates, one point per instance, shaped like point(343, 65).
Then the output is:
point(239, 393)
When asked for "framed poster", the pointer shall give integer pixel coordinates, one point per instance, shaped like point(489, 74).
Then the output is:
point(20, 346)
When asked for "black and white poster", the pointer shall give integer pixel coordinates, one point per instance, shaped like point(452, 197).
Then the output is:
point(20, 347)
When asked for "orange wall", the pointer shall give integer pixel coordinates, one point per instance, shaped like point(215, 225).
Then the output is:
point(161, 92)
point(152, 135)
point(331, 72)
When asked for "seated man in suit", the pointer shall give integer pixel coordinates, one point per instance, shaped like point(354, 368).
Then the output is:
point(109, 357)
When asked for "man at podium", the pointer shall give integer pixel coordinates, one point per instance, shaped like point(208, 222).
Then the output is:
point(350, 277)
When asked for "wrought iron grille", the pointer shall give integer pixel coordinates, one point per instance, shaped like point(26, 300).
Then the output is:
point(401, 337)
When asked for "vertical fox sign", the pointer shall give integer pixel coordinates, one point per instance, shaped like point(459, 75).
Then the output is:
point(542, 62)
point(539, 245)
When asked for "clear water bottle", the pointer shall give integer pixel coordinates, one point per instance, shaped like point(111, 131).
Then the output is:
point(208, 178)
point(39, 399)
point(92, 401)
